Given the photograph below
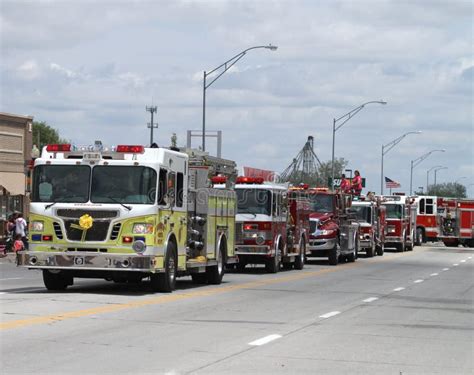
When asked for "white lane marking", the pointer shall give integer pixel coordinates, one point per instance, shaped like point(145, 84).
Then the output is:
point(456, 264)
point(12, 278)
point(371, 299)
point(399, 289)
point(445, 269)
point(264, 340)
point(469, 257)
point(329, 314)
point(418, 281)
point(434, 274)
point(463, 261)
point(3, 293)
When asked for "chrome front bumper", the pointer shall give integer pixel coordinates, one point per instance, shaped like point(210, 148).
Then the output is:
point(253, 250)
point(393, 239)
point(321, 244)
point(86, 261)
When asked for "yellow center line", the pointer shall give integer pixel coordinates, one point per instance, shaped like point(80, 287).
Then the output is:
point(163, 299)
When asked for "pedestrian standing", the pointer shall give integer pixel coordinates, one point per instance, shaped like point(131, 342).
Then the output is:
point(20, 228)
point(356, 183)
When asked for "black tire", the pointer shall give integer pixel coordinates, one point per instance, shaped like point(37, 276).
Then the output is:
point(199, 278)
point(333, 256)
point(272, 265)
point(56, 281)
point(354, 255)
point(452, 244)
point(409, 247)
point(166, 282)
point(400, 247)
point(419, 237)
point(299, 261)
point(370, 251)
point(380, 249)
point(216, 273)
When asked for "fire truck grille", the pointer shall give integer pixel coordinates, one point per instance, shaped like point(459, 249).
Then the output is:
point(76, 214)
point(98, 231)
point(239, 233)
point(57, 230)
point(115, 231)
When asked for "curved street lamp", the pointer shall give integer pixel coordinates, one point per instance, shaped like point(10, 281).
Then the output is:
point(428, 174)
point(226, 65)
point(344, 119)
point(389, 146)
point(436, 171)
point(417, 161)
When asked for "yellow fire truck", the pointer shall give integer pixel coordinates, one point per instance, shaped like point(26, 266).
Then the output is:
point(127, 213)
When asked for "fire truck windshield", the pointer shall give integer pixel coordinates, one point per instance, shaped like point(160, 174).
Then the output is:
point(394, 211)
point(110, 184)
point(362, 213)
point(321, 203)
point(123, 184)
point(254, 201)
point(61, 183)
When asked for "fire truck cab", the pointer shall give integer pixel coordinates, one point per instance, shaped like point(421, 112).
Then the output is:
point(426, 223)
point(401, 219)
point(333, 233)
point(272, 225)
point(127, 213)
point(370, 215)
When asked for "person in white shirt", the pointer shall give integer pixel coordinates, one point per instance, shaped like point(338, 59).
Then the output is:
point(20, 229)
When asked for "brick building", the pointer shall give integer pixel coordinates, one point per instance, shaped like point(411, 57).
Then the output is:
point(16, 138)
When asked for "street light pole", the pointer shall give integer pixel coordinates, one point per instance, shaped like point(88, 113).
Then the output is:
point(428, 174)
point(417, 161)
point(389, 146)
point(436, 171)
point(345, 118)
point(226, 65)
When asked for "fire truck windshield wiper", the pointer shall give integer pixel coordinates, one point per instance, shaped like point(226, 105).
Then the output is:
point(120, 203)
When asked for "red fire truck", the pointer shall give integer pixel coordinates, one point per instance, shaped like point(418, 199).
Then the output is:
point(333, 234)
point(456, 221)
point(426, 227)
point(370, 215)
point(272, 224)
point(401, 221)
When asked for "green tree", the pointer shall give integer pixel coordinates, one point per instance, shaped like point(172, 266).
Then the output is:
point(44, 134)
point(448, 189)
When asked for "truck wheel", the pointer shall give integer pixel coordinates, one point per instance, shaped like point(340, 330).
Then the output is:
point(299, 261)
point(419, 237)
point(272, 265)
point(409, 246)
point(333, 256)
point(380, 249)
point(370, 251)
point(454, 243)
point(166, 282)
point(56, 281)
point(216, 273)
point(354, 255)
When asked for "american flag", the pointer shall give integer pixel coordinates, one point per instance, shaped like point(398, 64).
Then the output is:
point(390, 184)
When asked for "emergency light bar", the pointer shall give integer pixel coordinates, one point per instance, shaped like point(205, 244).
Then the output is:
point(249, 180)
point(133, 149)
point(58, 148)
point(219, 179)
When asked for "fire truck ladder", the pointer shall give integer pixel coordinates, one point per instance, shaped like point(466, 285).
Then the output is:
point(303, 168)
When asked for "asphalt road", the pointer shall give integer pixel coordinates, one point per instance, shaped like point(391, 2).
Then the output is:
point(403, 313)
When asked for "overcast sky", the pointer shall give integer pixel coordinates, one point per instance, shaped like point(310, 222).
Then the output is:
point(89, 68)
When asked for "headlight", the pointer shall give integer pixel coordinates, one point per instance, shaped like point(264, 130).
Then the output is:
point(326, 232)
point(142, 228)
point(37, 226)
point(391, 228)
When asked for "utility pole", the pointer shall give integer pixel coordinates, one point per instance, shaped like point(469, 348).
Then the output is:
point(151, 125)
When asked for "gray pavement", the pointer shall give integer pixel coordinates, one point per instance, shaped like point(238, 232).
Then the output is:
point(403, 313)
